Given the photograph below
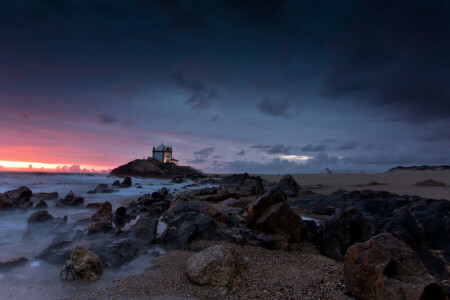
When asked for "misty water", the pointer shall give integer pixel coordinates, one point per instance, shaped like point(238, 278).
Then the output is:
point(37, 279)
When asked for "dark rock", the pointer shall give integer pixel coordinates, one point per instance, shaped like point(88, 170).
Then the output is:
point(120, 217)
point(95, 205)
point(101, 221)
point(45, 196)
point(57, 253)
point(177, 179)
point(116, 183)
point(116, 251)
point(70, 200)
point(386, 268)
point(289, 186)
point(12, 263)
point(161, 194)
point(41, 204)
point(242, 184)
point(102, 188)
point(431, 183)
point(207, 191)
point(83, 264)
point(40, 217)
point(145, 229)
point(18, 198)
point(126, 183)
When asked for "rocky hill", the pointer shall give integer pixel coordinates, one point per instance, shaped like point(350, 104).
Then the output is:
point(153, 168)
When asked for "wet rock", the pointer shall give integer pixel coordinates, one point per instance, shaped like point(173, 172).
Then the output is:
point(116, 251)
point(386, 268)
point(18, 198)
point(57, 253)
point(242, 184)
point(207, 191)
point(216, 266)
point(102, 188)
point(12, 263)
point(70, 200)
point(126, 183)
point(221, 197)
point(82, 265)
point(95, 205)
point(289, 186)
point(120, 217)
point(41, 204)
point(40, 217)
point(161, 194)
point(270, 213)
point(45, 196)
point(101, 221)
point(177, 179)
point(116, 183)
point(145, 229)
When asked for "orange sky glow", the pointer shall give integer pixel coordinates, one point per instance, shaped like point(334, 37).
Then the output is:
point(25, 166)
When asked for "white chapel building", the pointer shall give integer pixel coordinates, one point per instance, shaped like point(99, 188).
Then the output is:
point(163, 154)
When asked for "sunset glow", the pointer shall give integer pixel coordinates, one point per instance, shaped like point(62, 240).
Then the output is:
point(26, 166)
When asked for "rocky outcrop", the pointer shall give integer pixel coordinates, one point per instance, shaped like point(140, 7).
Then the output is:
point(423, 224)
point(18, 198)
point(145, 229)
point(153, 168)
point(70, 200)
point(101, 221)
point(385, 268)
point(289, 186)
point(40, 217)
point(270, 213)
point(430, 183)
point(126, 183)
point(216, 266)
point(82, 265)
point(242, 184)
point(102, 188)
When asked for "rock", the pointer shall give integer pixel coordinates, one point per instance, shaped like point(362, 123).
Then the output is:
point(242, 184)
point(101, 221)
point(18, 198)
point(12, 263)
point(41, 204)
point(120, 217)
point(116, 251)
point(145, 229)
point(386, 268)
point(154, 168)
point(221, 197)
point(57, 253)
point(102, 188)
point(177, 179)
point(116, 183)
point(126, 183)
point(83, 264)
point(430, 183)
point(70, 200)
point(40, 217)
point(95, 205)
point(270, 213)
point(289, 186)
point(216, 266)
point(45, 196)
point(161, 194)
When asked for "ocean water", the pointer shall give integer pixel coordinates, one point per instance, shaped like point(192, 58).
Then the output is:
point(37, 279)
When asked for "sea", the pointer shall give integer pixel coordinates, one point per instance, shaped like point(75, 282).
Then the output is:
point(37, 279)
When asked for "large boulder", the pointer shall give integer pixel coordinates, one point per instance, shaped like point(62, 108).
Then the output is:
point(126, 183)
point(70, 200)
point(216, 266)
point(83, 264)
point(120, 217)
point(242, 184)
point(145, 229)
point(289, 186)
point(101, 221)
point(17, 198)
point(40, 217)
point(386, 268)
point(270, 213)
point(102, 188)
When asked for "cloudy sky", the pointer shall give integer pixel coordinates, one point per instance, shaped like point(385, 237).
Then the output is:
point(258, 86)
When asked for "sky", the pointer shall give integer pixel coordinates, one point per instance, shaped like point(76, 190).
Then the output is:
point(280, 86)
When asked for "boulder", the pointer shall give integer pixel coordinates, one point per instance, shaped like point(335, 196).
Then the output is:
point(126, 183)
point(145, 229)
point(270, 213)
point(102, 188)
point(242, 184)
point(116, 183)
point(216, 266)
point(116, 251)
point(386, 268)
point(289, 186)
point(177, 179)
point(41, 204)
point(70, 200)
point(45, 196)
point(120, 217)
point(18, 198)
point(101, 221)
point(40, 217)
point(82, 265)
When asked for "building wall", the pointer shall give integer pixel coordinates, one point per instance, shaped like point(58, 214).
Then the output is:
point(163, 156)
point(158, 156)
point(167, 156)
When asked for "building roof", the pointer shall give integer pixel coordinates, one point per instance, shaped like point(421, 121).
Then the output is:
point(162, 147)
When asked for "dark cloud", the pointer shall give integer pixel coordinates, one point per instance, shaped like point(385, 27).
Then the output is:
point(241, 153)
point(276, 108)
point(204, 153)
point(348, 146)
point(107, 118)
point(201, 94)
point(273, 149)
point(393, 54)
point(323, 158)
point(197, 160)
point(317, 148)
